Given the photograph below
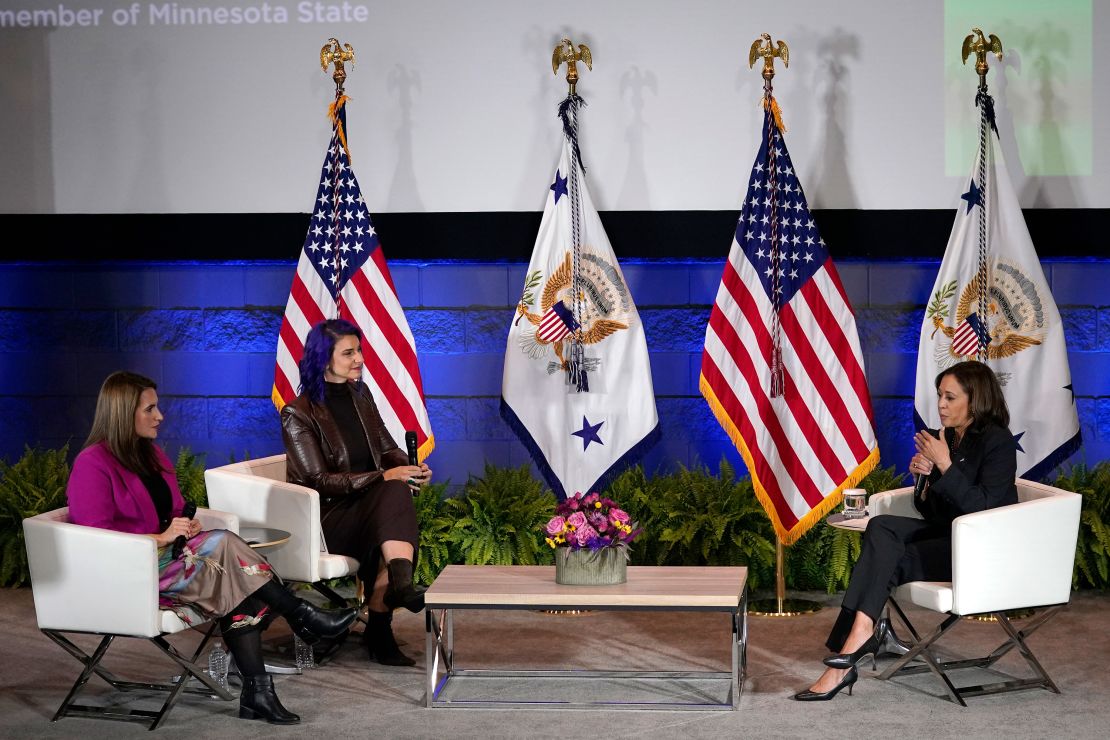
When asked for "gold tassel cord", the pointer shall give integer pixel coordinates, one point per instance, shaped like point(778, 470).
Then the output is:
point(776, 112)
point(333, 114)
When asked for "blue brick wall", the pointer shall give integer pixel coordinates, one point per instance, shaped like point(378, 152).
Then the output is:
point(206, 333)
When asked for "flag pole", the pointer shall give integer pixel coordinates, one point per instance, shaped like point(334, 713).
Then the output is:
point(565, 51)
point(979, 44)
point(764, 49)
point(335, 54)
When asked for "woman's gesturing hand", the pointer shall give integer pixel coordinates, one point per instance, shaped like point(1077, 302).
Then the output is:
point(932, 449)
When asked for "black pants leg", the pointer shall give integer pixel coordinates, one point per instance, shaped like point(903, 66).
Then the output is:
point(895, 550)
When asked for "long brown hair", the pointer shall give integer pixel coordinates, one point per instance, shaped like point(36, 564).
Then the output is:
point(985, 402)
point(114, 422)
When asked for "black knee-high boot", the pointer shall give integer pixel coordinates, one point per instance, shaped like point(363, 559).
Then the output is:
point(258, 699)
point(380, 642)
point(309, 622)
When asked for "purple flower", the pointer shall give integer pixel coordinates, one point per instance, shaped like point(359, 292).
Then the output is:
point(577, 520)
point(556, 525)
point(619, 515)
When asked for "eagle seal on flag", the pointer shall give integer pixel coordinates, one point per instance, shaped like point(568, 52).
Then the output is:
point(606, 307)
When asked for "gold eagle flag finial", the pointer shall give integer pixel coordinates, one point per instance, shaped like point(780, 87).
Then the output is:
point(764, 47)
point(981, 46)
point(565, 52)
point(335, 53)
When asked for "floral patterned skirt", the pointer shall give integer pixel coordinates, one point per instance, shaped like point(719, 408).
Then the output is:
point(216, 573)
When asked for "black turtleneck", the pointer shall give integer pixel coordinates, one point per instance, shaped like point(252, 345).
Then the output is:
point(337, 397)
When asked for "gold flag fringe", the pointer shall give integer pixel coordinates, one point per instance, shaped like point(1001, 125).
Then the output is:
point(776, 112)
point(277, 399)
point(830, 502)
point(426, 448)
point(333, 114)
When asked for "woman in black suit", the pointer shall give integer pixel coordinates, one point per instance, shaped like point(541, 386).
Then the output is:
point(971, 467)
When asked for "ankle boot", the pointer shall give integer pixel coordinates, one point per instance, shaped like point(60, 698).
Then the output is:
point(312, 623)
point(380, 642)
point(260, 701)
point(401, 591)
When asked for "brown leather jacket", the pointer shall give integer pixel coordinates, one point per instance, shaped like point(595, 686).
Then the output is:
point(317, 456)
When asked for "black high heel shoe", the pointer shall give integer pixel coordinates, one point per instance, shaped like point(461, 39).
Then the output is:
point(869, 649)
point(848, 681)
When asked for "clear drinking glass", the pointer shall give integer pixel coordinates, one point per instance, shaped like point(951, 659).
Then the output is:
point(855, 503)
point(302, 653)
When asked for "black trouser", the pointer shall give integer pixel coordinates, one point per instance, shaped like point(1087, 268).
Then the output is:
point(896, 550)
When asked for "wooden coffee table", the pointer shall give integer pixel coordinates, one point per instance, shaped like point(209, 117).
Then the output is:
point(532, 588)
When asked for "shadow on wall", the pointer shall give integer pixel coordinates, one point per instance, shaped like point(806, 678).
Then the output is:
point(634, 191)
point(404, 188)
point(27, 185)
point(834, 51)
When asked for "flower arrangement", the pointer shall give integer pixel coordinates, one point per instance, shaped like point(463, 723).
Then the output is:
point(590, 522)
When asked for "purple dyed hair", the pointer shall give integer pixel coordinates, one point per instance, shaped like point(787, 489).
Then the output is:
point(318, 347)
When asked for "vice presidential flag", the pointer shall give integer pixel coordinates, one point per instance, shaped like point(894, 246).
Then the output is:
point(578, 438)
point(782, 368)
point(342, 273)
point(993, 304)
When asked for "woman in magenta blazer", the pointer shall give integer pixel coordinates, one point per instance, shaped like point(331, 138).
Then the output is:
point(122, 481)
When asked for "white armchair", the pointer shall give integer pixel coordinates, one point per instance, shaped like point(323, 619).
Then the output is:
point(114, 577)
point(1012, 557)
point(257, 492)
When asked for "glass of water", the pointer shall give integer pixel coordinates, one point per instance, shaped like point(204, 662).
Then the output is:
point(855, 503)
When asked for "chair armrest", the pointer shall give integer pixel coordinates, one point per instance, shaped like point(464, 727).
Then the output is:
point(1015, 556)
point(214, 519)
point(92, 580)
point(263, 502)
point(898, 502)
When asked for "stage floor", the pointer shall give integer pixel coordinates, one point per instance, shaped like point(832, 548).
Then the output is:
point(352, 697)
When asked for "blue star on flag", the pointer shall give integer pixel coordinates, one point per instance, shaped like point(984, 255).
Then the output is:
point(974, 197)
point(1017, 441)
point(588, 432)
point(559, 187)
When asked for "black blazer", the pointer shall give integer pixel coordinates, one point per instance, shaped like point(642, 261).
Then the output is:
point(981, 476)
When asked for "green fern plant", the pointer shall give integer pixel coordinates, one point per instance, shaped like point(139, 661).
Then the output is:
point(705, 519)
point(34, 484)
point(499, 519)
point(189, 469)
point(1092, 549)
point(636, 494)
point(433, 553)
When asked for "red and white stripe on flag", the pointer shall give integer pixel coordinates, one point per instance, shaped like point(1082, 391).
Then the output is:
point(804, 448)
point(342, 273)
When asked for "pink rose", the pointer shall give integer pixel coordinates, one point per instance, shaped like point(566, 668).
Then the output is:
point(585, 535)
point(620, 515)
point(577, 520)
point(556, 525)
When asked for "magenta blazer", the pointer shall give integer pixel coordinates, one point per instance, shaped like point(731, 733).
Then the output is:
point(102, 493)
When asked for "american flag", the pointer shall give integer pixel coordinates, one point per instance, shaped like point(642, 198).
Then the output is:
point(969, 336)
point(803, 447)
point(342, 273)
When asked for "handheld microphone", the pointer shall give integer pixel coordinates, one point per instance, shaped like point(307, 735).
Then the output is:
point(410, 443)
point(189, 510)
point(921, 479)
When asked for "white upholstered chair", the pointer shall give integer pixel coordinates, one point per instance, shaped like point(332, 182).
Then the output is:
point(257, 492)
point(96, 581)
point(1012, 557)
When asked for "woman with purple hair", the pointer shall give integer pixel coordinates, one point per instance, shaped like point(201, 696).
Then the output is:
point(337, 443)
